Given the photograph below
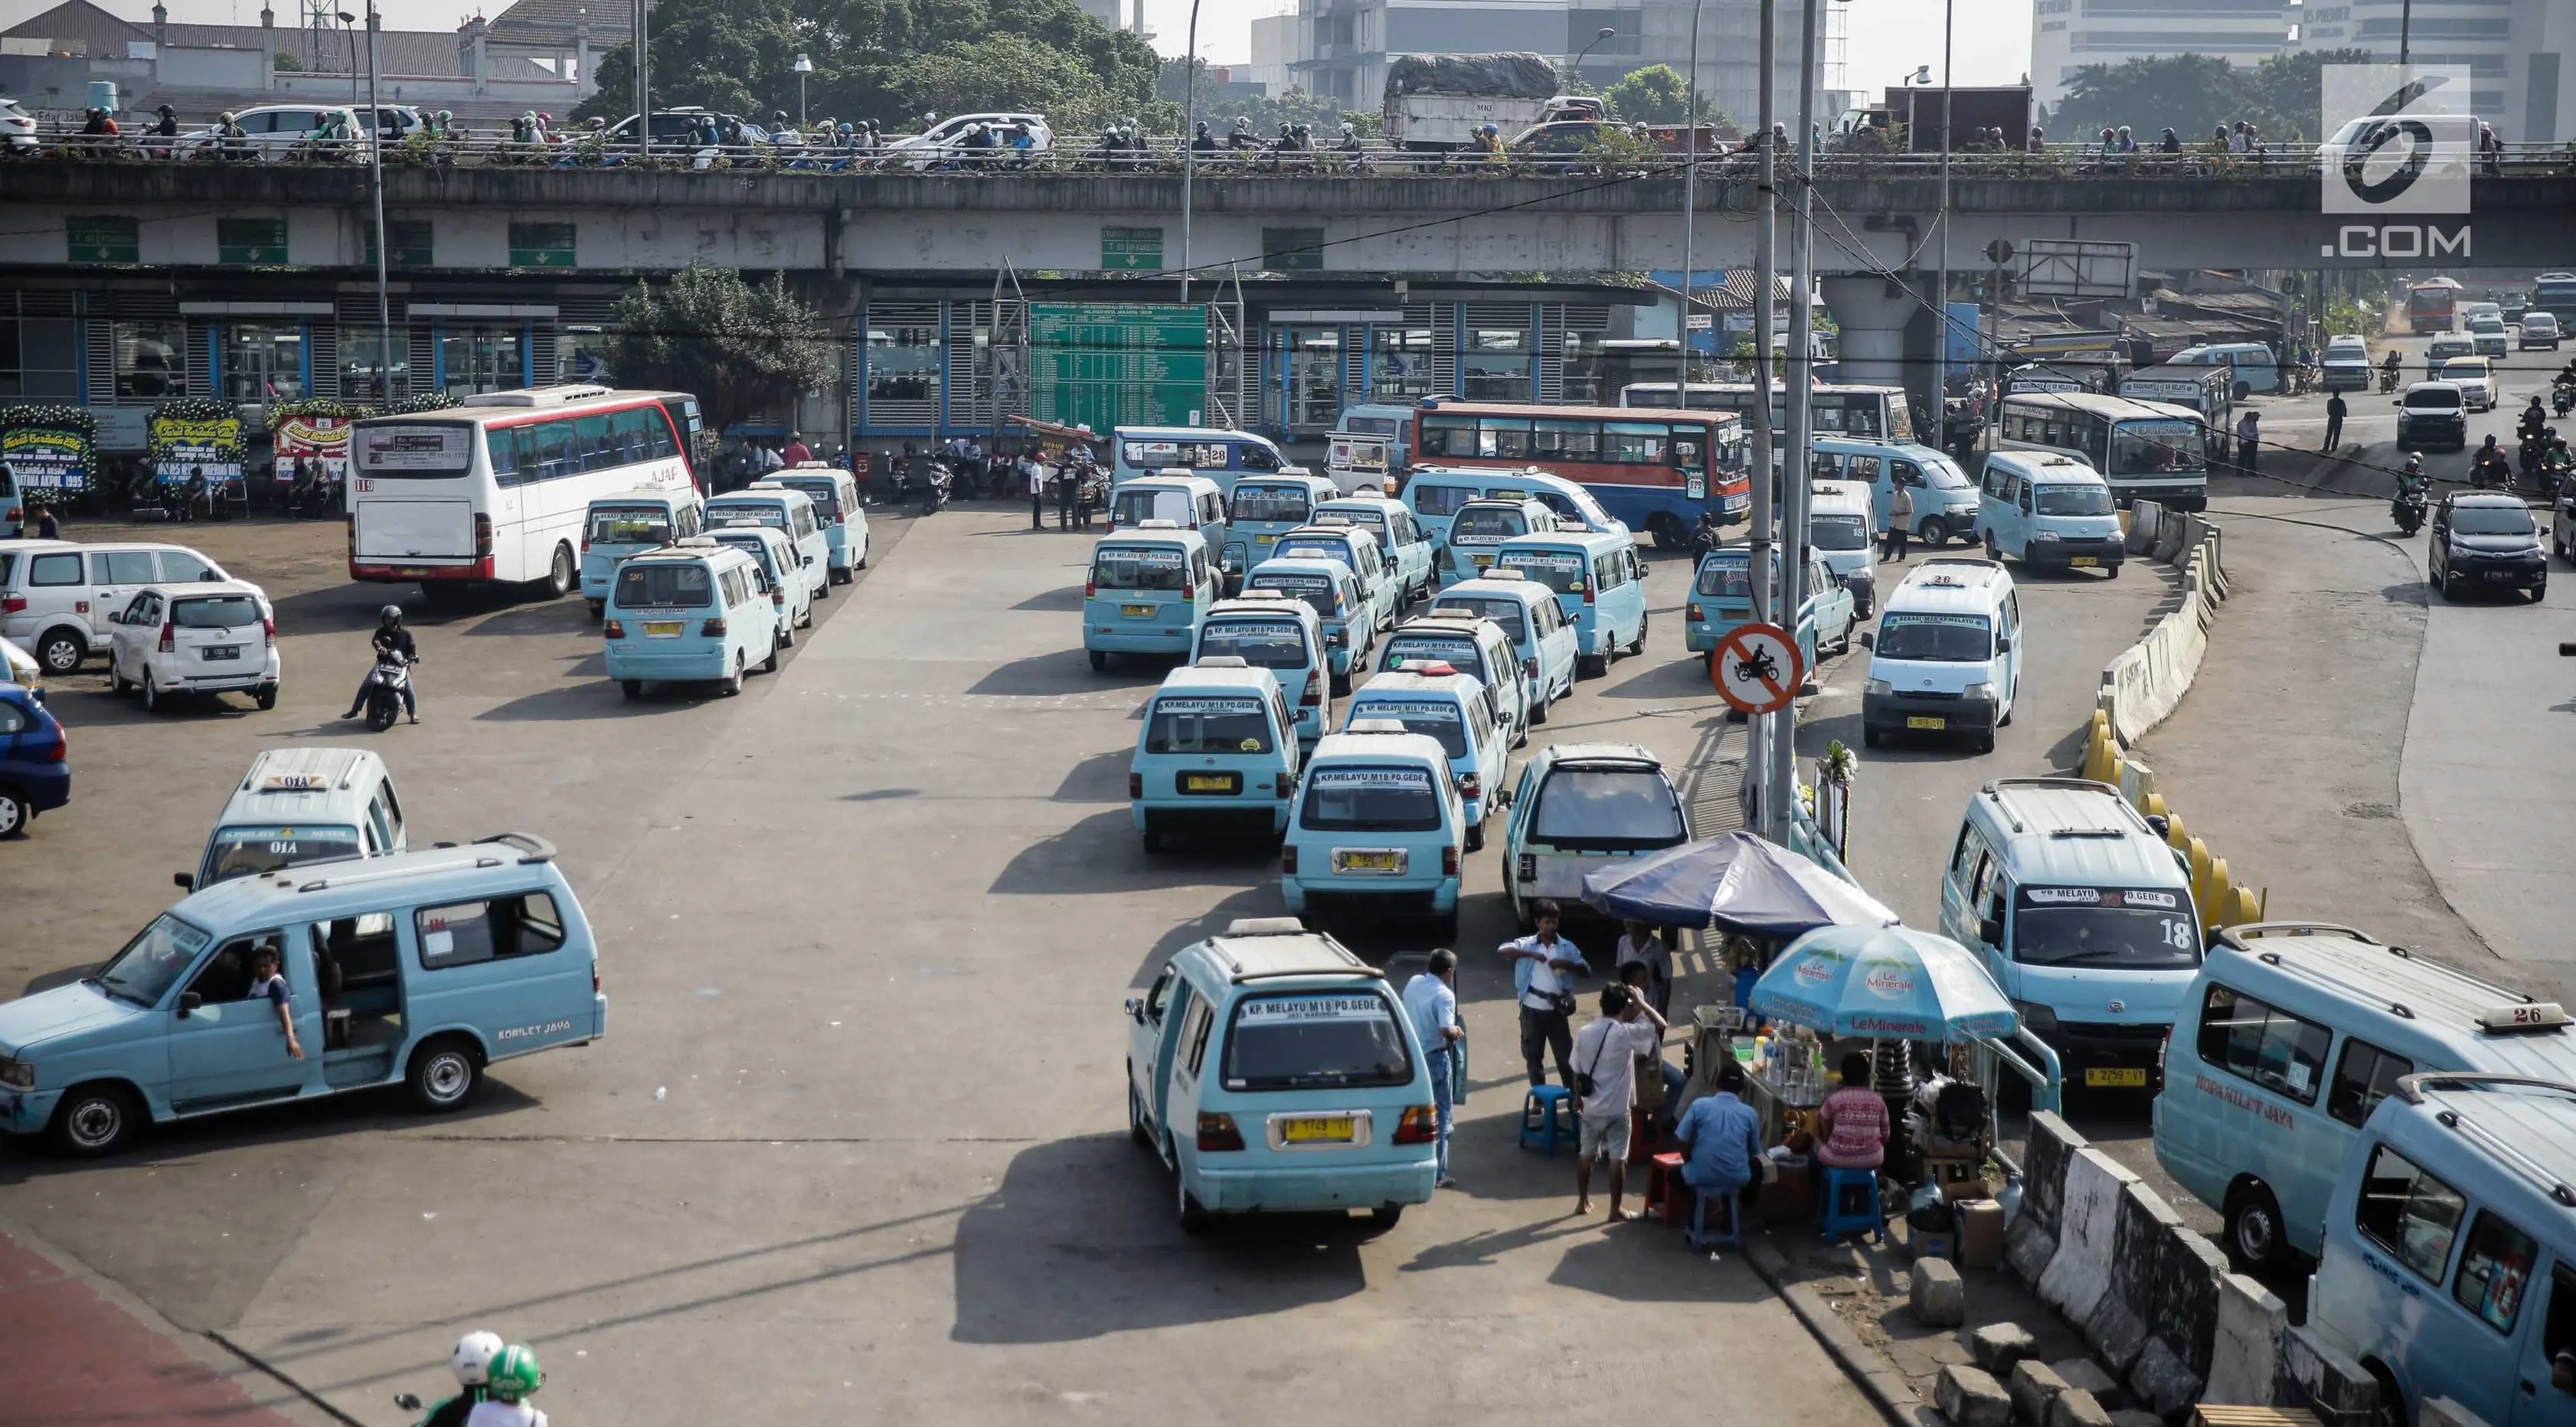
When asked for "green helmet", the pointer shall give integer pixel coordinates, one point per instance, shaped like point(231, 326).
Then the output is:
point(514, 1374)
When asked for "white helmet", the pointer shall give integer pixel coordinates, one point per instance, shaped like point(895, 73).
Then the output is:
point(473, 1357)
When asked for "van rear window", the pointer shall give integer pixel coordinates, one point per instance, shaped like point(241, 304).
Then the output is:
point(1606, 809)
point(1726, 579)
point(1134, 567)
point(769, 513)
point(1254, 502)
point(1441, 500)
point(658, 586)
point(1436, 719)
point(1457, 650)
point(1507, 614)
point(1488, 526)
point(629, 524)
point(826, 495)
point(1205, 725)
point(1315, 590)
point(218, 612)
point(1263, 644)
point(1370, 800)
point(1559, 570)
point(1316, 1040)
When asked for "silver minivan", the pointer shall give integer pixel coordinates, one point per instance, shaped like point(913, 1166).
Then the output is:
point(55, 596)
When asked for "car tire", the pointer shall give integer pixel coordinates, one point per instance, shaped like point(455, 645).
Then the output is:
point(787, 635)
point(443, 1075)
point(1194, 1216)
point(1592, 666)
point(1100, 663)
point(560, 573)
point(1475, 838)
point(152, 700)
point(1994, 552)
point(2244, 390)
point(1934, 532)
point(2450, 588)
point(633, 689)
point(2252, 1232)
point(14, 814)
point(839, 577)
point(1341, 684)
point(731, 684)
point(61, 652)
point(95, 1120)
point(116, 685)
point(1385, 1216)
point(265, 696)
point(1869, 737)
point(598, 609)
point(1136, 1113)
point(1644, 623)
point(770, 664)
point(861, 562)
point(1538, 715)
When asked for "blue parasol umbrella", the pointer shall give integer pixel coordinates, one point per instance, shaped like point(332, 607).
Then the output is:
point(1884, 983)
point(1739, 882)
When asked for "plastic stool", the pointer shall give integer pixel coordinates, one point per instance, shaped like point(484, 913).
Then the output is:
point(1700, 1237)
point(1664, 1187)
point(1645, 1135)
point(1833, 1219)
point(1540, 1119)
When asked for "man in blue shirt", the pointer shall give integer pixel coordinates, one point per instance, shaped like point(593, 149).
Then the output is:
point(1721, 1137)
point(1431, 1003)
point(1544, 966)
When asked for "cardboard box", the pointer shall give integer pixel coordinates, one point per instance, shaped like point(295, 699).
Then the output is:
point(1961, 1191)
point(1789, 1196)
point(1981, 1233)
point(1933, 1246)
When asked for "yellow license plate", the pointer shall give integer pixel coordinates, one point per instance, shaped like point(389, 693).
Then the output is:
point(1483, 562)
point(1918, 721)
point(2085, 560)
point(1317, 1130)
point(1137, 611)
point(1265, 540)
point(663, 629)
point(2135, 1078)
point(1368, 861)
point(1209, 782)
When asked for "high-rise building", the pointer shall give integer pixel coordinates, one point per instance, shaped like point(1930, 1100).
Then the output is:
point(2520, 54)
point(2067, 35)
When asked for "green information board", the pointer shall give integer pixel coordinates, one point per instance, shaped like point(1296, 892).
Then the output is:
point(1131, 249)
point(1110, 364)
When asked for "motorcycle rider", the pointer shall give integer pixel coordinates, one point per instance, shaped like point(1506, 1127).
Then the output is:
point(513, 1379)
point(472, 1364)
point(2412, 483)
point(391, 638)
point(2535, 419)
point(2489, 466)
point(2389, 369)
point(1203, 142)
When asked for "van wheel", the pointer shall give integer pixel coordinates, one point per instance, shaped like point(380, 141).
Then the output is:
point(1136, 1113)
point(1538, 714)
point(2392, 1398)
point(770, 664)
point(95, 1120)
point(1100, 662)
point(1639, 645)
point(1386, 1215)
point(265, 696)
point(1934, 532)
point(1476, 838)
point(116, 685)
point(1592, 666)
point(861, 562)
point(2253, 1233)
point(443, 1075)
point(559, 575)
point(1994, 552)
point(598, 608)
point(2111, 572)
point(2244, 390)
point(1193, 1215)
point(732, 683)
point(61, 651)
point(633, 689)
point(1341, 684)
point(153, 704)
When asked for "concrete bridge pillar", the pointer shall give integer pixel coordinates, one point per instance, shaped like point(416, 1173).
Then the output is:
point(1872, 314)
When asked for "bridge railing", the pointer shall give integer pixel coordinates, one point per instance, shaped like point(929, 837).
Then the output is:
point(1166, 156)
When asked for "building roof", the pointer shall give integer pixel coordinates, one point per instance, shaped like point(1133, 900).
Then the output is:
point(1735, 292)
point(550, 24)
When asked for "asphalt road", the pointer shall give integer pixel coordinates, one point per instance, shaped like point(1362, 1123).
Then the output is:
point(853, 1148)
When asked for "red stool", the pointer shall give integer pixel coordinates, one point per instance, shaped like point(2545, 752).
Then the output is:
point(1664, 1187)
point(1645, 1135)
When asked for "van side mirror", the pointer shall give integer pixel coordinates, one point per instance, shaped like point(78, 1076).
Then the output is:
point(189, 1001)
point(2004, 645)
point(2163, 826)
point(1136, 1010)
point(116, 616)
point(184, 881)
point(1990, 931)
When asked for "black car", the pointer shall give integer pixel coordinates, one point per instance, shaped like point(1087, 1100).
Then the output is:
point(2486, 539)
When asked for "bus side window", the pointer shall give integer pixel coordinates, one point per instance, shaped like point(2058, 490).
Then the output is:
point(504, 453)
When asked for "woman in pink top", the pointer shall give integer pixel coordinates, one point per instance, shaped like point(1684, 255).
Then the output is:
point(1852, 1124)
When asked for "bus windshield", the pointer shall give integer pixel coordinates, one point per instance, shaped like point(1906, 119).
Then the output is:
point(2158, 445)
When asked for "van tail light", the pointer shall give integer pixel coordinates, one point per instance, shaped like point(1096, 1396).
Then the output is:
point(1288, 860)
point(1448, 862)
point(1089, 588)
point(594, 978)
point(13, 604)
point(1282, 784)
point(614, 629)
point(1314, 698)
point(1471, 786)
point(585, 540)
point(1529, 668)
point(1587, 592)
point(1420, 1126)
point(713, 629)
point(1135, 785)
point(169, 638)
point(778, 597)
point(1189, 592)
point(1695, 615)
point(1217, 1132)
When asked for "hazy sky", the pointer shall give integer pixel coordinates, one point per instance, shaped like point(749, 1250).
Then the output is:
point(1888, 37)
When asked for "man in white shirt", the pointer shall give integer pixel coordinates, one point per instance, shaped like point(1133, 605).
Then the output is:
point(1431, 1003)
point(1605, 1061)
point(1035, 474)
point(1543, 967)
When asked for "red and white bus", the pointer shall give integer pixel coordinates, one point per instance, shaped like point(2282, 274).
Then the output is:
point(1654, 470)
point(493, 490)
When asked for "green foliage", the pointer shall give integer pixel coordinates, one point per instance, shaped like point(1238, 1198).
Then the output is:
point(1657, 94)
point(1221, 105)
point(890, 60)
point(2194, 94)
point(739, 348)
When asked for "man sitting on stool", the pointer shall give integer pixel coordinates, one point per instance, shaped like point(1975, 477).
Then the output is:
point(1721, 1138)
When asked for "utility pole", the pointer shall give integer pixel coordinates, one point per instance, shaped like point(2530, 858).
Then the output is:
point(1794, 473)
point(1940, 433)
point(1766, 281)
point(376, 183)
point(1189, 133)
point(643, 84)
point(2406, 32)
point(1690, 211)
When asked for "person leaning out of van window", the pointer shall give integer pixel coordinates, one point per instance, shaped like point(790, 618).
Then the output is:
point(268, 984)
point(1544, 966)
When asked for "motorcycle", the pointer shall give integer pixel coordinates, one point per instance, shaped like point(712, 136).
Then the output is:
point(385, 690)
point(934, 496)
point(2387, 379)
point(2562, 397)
point(2408, 511)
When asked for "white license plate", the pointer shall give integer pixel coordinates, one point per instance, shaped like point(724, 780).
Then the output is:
point(2500, 574)
point(220, 651)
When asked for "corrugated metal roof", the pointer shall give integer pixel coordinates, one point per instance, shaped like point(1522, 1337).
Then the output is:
point(552, 24)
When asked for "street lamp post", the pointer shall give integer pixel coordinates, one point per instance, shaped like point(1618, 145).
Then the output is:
point(1690, 211)
point(1189, 149)
point(376, 188)
point(348, 20)
point(1764, 727)
point(804, 67)
point(1607, 32)
point(1799, 400)
point(1941, 262)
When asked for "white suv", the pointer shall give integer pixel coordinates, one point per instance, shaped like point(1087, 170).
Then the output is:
point(275, 131)
point(17, 127)
point(194, 639)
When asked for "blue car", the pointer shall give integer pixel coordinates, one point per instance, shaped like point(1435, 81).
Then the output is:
point(35, 767)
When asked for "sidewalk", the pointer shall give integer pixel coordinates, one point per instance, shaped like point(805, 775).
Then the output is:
point(81, 1354)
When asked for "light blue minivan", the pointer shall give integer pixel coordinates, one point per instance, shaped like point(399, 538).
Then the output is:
point(1379, 829)
point(1482, 525)
point(1722, 600)
point(1220, 455)
point(1598, 582)
point(2048, 508)
point(835, 493)
point(1407, 546)
point(418, 969)
point(1275, 630)
point(1263, 508)
point(1355, 548)
point(617, 526)
point(1332, 591)
point(1149, 588)
point(2293, 1033)
point(1273, 1071)
point(1449, 708)
point(1219, 749)
point(2083, 915)
point(2450, 1257)
point(1945, 500)
point(692, 612)
point(787, 511)
point(1533, 622)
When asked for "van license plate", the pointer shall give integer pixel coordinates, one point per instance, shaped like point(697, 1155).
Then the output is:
point(1265, 540)
point(1483, 562)
point(1137, 611)
point(663, 629)
point(2134, 1077)
point(1918, 721)
point(1209, 782)
point(1317, 1130)
point(1387, 861)
point(2085, 561)
point(220, 651)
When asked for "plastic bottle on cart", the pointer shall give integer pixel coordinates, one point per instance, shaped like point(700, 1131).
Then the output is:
point(1761, 1055)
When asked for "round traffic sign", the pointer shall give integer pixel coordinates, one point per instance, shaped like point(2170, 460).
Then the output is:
point(1757, 668)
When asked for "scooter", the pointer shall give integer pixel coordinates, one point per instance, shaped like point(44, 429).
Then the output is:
point(2387, 379)
point(934, 496)
point(2562, 397)
point(385, 690)
point(2408, 511)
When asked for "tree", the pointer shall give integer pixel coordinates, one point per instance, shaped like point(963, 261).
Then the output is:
point(1656, 94)
point(2194, 94)
point(741, 349)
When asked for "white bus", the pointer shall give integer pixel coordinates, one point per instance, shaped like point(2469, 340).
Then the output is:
point(2154, 450)
point(493, 490)
point(1873, 413)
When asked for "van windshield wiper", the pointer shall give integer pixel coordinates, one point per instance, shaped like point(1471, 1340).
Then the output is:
point(113, 993)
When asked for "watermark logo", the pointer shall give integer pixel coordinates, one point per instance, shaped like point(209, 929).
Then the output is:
point(2401, 141)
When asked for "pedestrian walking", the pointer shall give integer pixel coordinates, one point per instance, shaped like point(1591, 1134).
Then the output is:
point(1036, 481)
point(2249, 441)
point(1431, 1000)
point(1544, 966)
point(2335, 413)
point(1605, 1091)
point(1900, 516)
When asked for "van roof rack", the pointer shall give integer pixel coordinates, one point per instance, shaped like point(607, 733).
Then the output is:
point(531, 848)
point(2412, 1088)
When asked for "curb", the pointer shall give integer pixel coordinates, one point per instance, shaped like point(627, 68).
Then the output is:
point(1878, 1380)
